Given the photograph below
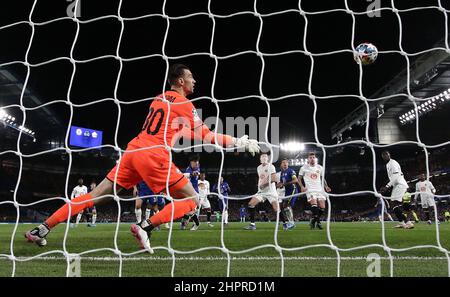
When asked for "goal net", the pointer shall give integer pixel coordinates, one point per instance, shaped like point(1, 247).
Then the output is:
point(288, 66)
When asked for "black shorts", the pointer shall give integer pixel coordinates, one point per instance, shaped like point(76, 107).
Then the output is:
point(90, 210)
point(407, 206)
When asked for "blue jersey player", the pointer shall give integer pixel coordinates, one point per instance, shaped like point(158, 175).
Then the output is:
point(192, 173)
point(380, 212)
point(224, 189)
point(288, 181)
point(242, 213)
point(153, 204)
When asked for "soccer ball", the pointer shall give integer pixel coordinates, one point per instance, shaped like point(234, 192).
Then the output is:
point(366, 53)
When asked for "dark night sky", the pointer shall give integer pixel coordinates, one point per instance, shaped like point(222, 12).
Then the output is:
point(335, 74)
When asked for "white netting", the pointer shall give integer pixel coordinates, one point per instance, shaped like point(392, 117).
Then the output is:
point(262, 56)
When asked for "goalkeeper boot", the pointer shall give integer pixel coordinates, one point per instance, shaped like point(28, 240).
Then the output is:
point(250, 227)
point(38, 234)
point(194, 227)
point(142, 237)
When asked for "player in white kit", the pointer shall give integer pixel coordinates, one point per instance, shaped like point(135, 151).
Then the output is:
point(79, 190)
point(266, 192)
point(312, 173)
point(93, 209)
point(426, 190)
point(399, 187)
point(203, 192)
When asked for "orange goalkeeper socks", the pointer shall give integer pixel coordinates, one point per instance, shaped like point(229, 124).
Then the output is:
point(180, 209)
point(62, 214)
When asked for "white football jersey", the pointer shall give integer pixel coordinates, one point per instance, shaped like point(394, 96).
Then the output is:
point(203, 188)
point(425, 188)
point(78, 191)
point(265, 176)
point(280, 191)
point(395, 174)
point(312, 176)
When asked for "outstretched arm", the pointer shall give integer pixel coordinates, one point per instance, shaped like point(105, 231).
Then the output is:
point(194, 128)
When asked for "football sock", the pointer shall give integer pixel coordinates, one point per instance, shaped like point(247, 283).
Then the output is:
point(415, 216)
point(62, 214)
point(180, 208)
point(148, 213)
point(315, 212)
point(195, 219)
point(399, 214)
point(138, 213)
point(282, 217)
point(286, 213)
point(208, 216)
point(94, 218)
point(251, 212)
point(291, 215)
point(79, 216)
point(320, 213)
point(225, 216)
point(427, 214)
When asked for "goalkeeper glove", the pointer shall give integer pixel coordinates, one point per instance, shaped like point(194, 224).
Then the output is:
point(250, 145)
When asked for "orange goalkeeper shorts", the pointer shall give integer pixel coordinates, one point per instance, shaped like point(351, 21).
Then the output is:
point(152, 166)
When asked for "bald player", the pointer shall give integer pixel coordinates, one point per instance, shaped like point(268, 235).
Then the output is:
point(399, 187)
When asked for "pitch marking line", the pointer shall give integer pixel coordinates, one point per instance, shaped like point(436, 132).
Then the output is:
point(108, 259)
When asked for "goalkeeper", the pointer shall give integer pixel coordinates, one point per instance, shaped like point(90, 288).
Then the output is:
point(171, 116)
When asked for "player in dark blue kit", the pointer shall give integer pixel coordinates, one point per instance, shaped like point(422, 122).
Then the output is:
point(288, 181)
point(141, 190)
point(380, 213)
point(192, 172)
point(224, 189)
point(152, 204)
point(242, 213)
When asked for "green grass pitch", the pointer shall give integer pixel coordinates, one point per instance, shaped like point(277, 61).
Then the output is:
point(266, 261)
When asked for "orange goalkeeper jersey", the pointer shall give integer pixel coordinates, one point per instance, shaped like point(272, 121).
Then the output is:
point(183, 120)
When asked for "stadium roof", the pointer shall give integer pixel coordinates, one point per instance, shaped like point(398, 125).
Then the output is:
point(10, 93)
